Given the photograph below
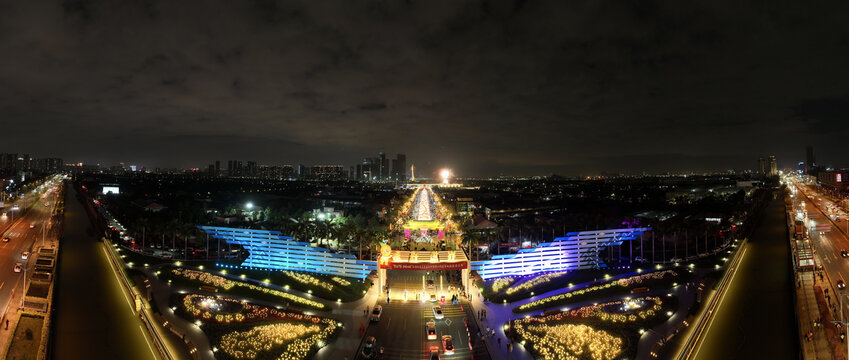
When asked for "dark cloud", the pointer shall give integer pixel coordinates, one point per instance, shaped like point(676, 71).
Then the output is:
point(488, 87)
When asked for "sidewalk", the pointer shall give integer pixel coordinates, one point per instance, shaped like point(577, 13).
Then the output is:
point(808, 311)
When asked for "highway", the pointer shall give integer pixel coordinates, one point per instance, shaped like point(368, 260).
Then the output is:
point(21, 239)
point(755, 319)
point(94, 318)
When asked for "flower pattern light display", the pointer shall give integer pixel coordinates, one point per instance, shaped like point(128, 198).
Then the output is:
point(620, 311)
point(227, 284)
point(535, 282)
point(278, 334)
point(568, 341)
point(309, 280)
point(501, 283)
point(625, 282)
point(340, 281)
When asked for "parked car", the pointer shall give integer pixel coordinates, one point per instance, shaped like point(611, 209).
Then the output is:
point(640, 259)
point(448, 344)
point(375, 314)
point(437, 312)
point(368, 348)
point(676, 260)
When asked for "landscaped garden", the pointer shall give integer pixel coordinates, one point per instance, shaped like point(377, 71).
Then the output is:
point(600, 332)
point(240, 330)
point(659, 279)
point(194, 279)
point(328, 287)
point(514, 288)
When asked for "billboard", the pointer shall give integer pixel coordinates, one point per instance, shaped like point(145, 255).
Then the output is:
point(115, 190)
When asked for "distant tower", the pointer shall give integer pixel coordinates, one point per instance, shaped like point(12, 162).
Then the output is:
point(761, 166)
point(412, 172)
point(773, 167)
point(810, 160)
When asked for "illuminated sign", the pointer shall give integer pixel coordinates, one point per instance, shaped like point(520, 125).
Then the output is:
point(115, 190)
point(438, 266)
point(839, 177)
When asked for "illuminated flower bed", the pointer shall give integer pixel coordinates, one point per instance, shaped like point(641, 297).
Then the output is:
point(620, 311)
point(309, 280)
point(561, 341)
point(248, 331)
point(341, 281)
point(501, 283)
point(534, 282)
point(297, 340)
point(228, 284)
point(205, 277)
point(657, 277)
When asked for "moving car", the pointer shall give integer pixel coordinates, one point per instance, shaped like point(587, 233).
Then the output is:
point(368, 348)
point(430, 330)
point(437, 312)
point(6, 239)
point(18, 268)
point(32, 225)
point(434, 355)
point(25, 255)
point(375, 314)
point(448, 344)
point(841, 284)
point(843, 253)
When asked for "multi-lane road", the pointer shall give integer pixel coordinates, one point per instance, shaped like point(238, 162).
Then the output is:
point(401, 329)
point(828, 244)
point(28, 226)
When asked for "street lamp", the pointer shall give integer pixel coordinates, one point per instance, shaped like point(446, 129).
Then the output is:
point(249, 205)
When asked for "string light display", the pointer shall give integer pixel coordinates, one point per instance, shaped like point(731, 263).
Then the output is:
point(308, 280)
point(340, 281)
point(227, 284)
point(568, 341)
point(625, 282)
point(501, 283)
point(535, 281)
point(298, 338)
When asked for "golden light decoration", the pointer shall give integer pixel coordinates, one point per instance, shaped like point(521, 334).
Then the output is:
point(298, 339)
point(535, 281)
point(626, 282)
point(569, 341)
point(501, 283)
point(227, 284)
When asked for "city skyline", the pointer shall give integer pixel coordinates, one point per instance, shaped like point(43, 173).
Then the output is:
point(488, 89)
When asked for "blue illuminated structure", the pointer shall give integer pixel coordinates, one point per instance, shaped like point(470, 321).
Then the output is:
point(270, 250)
point(575, 251)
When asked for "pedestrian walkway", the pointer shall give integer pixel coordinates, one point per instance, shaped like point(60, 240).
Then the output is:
point(808, 312)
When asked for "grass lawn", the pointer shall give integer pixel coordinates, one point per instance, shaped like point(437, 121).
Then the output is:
point(27, 338)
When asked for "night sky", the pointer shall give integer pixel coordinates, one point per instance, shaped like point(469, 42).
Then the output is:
point(484, 87)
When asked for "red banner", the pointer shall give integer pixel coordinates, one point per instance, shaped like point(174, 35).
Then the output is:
point(426, 266)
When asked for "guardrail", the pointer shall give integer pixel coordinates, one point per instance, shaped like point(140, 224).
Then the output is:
point(709, 312)
point(118, 267)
